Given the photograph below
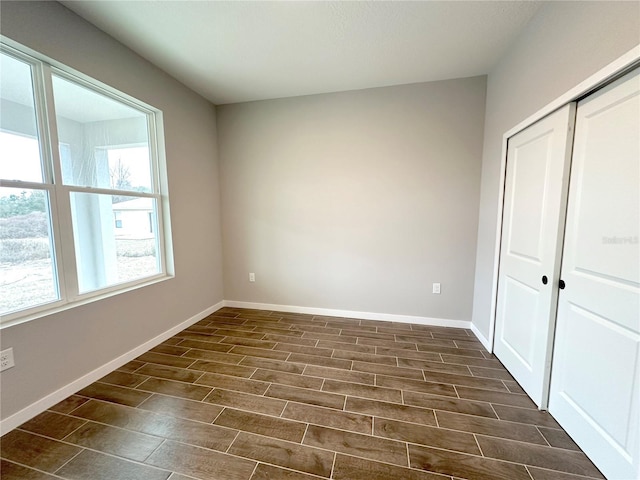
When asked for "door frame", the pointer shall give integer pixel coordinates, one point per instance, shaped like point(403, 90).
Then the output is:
point(625, 62)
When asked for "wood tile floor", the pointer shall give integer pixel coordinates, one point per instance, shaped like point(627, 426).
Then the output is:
point(247, 394)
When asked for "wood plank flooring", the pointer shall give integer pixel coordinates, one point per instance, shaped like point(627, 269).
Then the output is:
point(259, 395)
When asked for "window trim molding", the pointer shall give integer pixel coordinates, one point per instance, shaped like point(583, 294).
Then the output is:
point(43, 68)
point(59, 306)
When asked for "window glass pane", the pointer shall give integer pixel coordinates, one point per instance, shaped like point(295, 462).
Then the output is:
point(19, 148)
point(27, 268)
point(115, 239)
point(129, 168)
point(103, 142)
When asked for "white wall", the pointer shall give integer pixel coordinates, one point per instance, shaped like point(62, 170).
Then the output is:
point(55, 350)
point(354, 201)
point(564, 43)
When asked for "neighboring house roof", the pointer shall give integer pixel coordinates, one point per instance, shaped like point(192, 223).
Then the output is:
point(137, 204)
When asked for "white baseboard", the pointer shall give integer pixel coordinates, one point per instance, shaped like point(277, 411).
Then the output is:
point(329, 312)
point(50, 400)
point(483, 340)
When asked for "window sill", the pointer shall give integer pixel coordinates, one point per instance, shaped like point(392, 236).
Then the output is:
point(11, 320)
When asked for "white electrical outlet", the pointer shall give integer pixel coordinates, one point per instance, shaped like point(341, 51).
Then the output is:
point(436, 288)
point(252, 277)
point(6, 359)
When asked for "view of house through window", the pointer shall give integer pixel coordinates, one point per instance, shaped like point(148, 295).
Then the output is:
point(105, 254)
point(83, 219)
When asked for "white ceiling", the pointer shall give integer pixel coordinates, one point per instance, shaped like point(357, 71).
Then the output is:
point(236, 51)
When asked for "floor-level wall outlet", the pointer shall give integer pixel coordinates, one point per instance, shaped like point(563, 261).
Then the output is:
point(6, 359)
point(436, 288)
point(252, 277)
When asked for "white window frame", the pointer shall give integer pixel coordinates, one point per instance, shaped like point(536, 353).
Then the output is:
point(64, 262)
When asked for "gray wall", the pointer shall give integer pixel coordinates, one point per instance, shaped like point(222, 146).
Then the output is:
point(52, 351)
point(564, 44)
point(356, 200)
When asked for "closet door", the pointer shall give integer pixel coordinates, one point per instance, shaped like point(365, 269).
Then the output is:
point(536, 183)
point(595, 386)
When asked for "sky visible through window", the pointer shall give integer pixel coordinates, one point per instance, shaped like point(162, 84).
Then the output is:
point(19, 158)
point(132, 162)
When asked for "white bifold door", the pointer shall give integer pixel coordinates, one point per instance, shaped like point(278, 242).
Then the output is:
point(538, 164)
point(595, 382)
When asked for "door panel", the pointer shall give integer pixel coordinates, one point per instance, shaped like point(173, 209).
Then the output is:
point(516, 336)
point(533, 217)
point(525, 215)
point(585, 333)
point(606, 222)
point(595, 384)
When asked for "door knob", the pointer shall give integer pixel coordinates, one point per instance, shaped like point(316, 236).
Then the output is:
point(544, 279)
point(561, 284)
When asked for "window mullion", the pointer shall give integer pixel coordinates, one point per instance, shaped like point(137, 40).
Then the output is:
point(23, 184)
point(111, 191)
point(61, 202)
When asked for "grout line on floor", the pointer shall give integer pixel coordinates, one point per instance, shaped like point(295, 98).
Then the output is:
point(408, 456)
point(232, 442)
point(73, 431)
point(306, 429)
point(164, 440)
point(333, 464)
point(217, 416)
point(529, 472)
point(34, 468)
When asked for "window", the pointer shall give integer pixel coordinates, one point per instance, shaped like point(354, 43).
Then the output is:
point(80, 194)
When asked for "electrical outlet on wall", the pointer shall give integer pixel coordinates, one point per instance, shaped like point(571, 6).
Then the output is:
point(252, 277)
point(6, 359)
point(436, 288)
